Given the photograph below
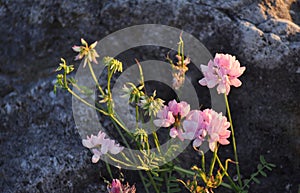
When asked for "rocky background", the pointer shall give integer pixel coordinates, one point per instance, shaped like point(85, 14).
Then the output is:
point(41, 150)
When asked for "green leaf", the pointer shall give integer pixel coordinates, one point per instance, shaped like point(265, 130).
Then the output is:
point(272, 165)
point(263, 173)
point(256, 180)
point(268, 167)
point(259, 167)
point(262, 160)
point(175, 190)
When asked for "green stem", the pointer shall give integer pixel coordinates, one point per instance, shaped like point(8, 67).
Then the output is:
point(152, 182)
point(233, 141)
point(120, 162)
point(156, 141)
point(108, 169)
point(95, 78)
point(213, 161)
point(187, 172)
point(143, 181)
point(227, 175)
point(85, 102)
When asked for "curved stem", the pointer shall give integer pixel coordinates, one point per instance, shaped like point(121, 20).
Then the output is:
point(233, 141)
point(227, 175)
point(213, 161)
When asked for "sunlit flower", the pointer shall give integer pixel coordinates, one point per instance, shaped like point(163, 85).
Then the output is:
point(206, 125)
point(88, 52)
point(223, 71)
point(216, 126)
point(117, 187)
point(194, 127)
point(100, 145)
point(172, 115)
point(179, 71)
point(182, 108)
point(165, 118)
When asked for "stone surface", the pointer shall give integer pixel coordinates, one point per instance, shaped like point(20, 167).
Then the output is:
point(41, 150)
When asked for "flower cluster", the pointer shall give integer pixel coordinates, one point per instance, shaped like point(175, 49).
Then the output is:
point(207, 124)
point(117, 187)
point(171, 115)
point(196, 125)
point(100, 145)
point(223, 71)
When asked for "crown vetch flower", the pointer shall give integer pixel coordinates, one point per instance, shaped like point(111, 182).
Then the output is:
point(88, 52)
point(194, 127)
point(117, 187)
point(100, 145)
point(223, 71)
point(165, 118)
point(206, 125)
point(216, 126)
point(172, 115)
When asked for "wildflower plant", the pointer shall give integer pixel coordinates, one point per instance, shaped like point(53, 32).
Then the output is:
point(175, 117)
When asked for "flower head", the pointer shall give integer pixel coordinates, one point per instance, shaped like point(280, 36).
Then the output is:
point(216, 126)
point(172, 115)
point(223, 71)
point(117, 187)
point(206, 125)
point(88, 52)
point(100, 145)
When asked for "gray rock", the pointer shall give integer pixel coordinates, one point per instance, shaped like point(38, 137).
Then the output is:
point(41, 149)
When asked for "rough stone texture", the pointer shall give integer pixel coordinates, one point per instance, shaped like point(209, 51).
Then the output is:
point(40, 148)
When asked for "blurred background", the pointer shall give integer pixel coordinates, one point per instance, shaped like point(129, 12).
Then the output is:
point(40, 148)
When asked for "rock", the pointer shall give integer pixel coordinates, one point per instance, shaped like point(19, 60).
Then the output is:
point(41, 150)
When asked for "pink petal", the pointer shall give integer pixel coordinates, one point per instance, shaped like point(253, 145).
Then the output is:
point(203, 82)
point(173, 132)
point(235, 82)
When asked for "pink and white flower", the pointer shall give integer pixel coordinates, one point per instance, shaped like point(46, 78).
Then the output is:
point(117, 187)
point(100, 145)
point(216, 126)
point(172, 115)
point(223, 71)
point(206, 125)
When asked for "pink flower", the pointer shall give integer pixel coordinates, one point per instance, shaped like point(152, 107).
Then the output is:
point(194, 128)
point(166, 118)
point(182, 108)
point(172, 115)
point(100, 146)
point(206, 125)
point(117, 187)
point(223, 71)
point(216, 127)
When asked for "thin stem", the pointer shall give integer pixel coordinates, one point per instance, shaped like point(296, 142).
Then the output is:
point(187, 172)
point(85, 102)
point(95, 78)
point(227, 175)
point(143, 181)
point(233, 141)
point(152, 182)
point(156, 141)
point(213, 161)
point(108, 169)
point(120, 162)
